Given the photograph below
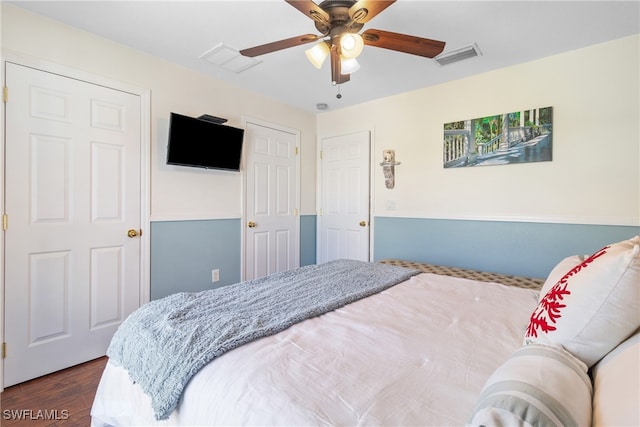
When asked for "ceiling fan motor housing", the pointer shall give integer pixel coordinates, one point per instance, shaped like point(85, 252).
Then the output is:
point(339, 18)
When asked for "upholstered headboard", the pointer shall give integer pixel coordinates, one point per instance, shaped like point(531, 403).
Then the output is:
point(482, 276)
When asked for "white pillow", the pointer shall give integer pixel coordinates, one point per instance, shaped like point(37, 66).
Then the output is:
point(616, 386)
point(594, 306)
point(560, 270)
point(538, 385)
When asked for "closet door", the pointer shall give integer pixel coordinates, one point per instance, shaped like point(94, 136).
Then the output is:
point(73, 200)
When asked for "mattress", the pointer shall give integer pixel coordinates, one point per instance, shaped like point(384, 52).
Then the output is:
point(415, 354)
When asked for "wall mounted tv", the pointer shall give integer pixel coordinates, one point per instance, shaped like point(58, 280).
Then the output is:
point(204, 144)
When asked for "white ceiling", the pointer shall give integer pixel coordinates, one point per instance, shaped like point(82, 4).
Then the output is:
point(506, 32)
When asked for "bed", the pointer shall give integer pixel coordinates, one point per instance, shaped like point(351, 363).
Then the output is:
point(439, 346)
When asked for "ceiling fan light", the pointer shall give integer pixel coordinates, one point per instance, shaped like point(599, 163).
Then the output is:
point(348, 65)
point(317, 54)
point(351, 45)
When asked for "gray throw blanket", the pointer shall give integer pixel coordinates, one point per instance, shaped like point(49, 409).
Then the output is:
point(167, 341)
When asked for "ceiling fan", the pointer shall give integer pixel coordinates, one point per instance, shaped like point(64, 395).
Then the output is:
point(339, 21)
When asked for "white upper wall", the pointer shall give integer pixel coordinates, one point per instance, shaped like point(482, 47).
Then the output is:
point(176, 192)
point(594, 177)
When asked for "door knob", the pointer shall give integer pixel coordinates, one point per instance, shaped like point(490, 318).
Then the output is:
point(363, 223)
point(251, 224)
point(133, 233)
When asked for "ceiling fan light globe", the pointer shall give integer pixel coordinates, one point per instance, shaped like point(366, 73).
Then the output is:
point(351, 45)
point(349, 65)
point(317, 54)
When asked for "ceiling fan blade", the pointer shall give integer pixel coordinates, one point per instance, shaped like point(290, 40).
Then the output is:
point(403, 43)
point(336, 76)
point(364, 10)
point(279, 45)
point(310, 9)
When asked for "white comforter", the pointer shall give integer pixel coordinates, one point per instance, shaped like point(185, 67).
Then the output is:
point(415, 354)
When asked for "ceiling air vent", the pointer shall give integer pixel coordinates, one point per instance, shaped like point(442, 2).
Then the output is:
point(229, 58)
point(458, 55)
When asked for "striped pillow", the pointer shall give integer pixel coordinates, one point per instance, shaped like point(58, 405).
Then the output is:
point(537, 385)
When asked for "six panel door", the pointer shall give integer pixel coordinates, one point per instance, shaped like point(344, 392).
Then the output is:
point(72, 193)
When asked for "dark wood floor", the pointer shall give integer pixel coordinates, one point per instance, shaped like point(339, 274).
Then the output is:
point(63, 398)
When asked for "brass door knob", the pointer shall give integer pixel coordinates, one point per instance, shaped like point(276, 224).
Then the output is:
point(251, 224)
point(363, 223)
point(133, 233)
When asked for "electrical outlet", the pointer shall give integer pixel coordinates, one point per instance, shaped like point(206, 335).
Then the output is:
point(215, 275)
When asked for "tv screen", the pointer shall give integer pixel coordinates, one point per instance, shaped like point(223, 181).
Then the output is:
point(204, 144)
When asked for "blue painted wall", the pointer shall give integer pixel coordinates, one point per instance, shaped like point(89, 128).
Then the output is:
point(520, 248)
point(183, 253)
point(307, 239)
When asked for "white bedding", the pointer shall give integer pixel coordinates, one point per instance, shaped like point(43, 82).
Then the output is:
point(415, 354)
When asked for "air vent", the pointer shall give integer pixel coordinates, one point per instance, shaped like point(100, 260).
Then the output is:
point(458, 55)
point(229, 58)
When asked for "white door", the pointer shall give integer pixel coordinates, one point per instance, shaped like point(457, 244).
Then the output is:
point(272, 225)
point(72, 191)
point(344, 216)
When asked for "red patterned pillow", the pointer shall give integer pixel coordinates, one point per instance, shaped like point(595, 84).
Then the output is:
point(594, 306)
point(560, 270)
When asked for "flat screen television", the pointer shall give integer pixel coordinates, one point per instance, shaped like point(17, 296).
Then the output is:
point(204, 144)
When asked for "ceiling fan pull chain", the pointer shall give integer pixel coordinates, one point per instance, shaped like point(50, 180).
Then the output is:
point(339, 95)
